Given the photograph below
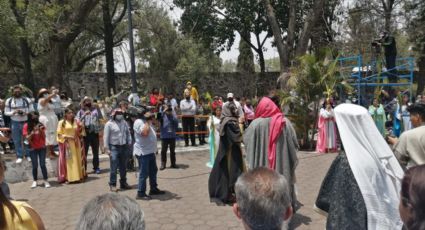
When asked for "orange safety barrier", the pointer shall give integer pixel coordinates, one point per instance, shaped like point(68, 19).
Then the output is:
point(196, 132)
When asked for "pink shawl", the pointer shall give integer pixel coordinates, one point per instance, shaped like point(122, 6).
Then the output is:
point(265, 109)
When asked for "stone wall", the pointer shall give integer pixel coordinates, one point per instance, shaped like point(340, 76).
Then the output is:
point(94, 84)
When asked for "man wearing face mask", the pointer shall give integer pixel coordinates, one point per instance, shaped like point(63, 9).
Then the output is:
point(188, 109)
point(168, 122)
point(89, 116)
point(17, 107)
point(117, 141)
point(144, 149)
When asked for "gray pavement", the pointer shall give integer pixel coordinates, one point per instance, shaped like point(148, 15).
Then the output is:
point(186, 204)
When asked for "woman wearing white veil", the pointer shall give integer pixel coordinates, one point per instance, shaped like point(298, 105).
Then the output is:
point(361, 189)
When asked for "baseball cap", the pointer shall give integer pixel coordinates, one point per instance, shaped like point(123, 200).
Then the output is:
point(230, 95)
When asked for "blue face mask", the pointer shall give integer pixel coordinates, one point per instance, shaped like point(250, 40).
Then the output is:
point(119, 117)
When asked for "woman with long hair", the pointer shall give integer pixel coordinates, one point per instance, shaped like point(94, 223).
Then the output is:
point(34, 132)
point(412, 202)
point(71, 149)
point(48, 118)
point(214, 137)
point(16, 214)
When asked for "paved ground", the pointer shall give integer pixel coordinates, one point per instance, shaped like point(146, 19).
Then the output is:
point(186, 204)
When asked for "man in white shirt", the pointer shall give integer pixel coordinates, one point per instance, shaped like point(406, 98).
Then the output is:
point(188, 109)
point(17, 107)
point(144, 149)
point(410, 147)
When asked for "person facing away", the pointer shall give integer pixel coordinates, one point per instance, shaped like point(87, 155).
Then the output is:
point(412, 202)
point(410, 147)
point(117, 141)
point(90, 118)
point(229, 163)
point(271, 141)
point(361, 188)
point(16, 215)
point(34, 132)
point(188, 110)
point(144, 149)
point(113, 212)
point(168, 127)
point(263, 200)
point(17, 107)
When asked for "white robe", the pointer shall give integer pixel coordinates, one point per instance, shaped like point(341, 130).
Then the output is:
point(374, 166)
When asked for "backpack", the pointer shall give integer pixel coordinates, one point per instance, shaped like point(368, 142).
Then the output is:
point(26, 102)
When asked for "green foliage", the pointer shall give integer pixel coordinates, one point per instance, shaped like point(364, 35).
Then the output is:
point(195, 61)
point(316, 77)
point(168, 54)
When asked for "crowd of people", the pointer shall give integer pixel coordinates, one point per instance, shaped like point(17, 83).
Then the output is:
point(372, 184)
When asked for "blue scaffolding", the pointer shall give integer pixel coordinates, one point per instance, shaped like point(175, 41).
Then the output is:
point(361, 75)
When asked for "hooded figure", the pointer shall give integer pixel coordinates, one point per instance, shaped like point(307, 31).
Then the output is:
point(270, 141)
point(228, 164)
point(361, 189)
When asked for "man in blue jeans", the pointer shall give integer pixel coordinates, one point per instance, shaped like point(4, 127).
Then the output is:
point(144, 149)
point(117, 141)
point(17, 108)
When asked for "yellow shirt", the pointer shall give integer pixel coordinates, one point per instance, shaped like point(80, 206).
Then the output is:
point(15, 223)
point(69, 130)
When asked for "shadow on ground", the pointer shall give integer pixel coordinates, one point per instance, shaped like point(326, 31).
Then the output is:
point(167, 196)
point(299, 220)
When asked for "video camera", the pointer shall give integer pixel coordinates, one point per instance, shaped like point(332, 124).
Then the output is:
point(139, 112)
point(376, 43)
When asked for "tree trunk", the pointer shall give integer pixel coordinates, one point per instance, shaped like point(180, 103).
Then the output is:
point(26, 60)
point(262, 61)
point(55, 70)
point(109, 46)
point(291, 31)
point(271, 16)
point(309, 25)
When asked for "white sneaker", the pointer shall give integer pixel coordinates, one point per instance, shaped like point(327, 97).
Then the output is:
point(19, 160)
point(34, 184)
point(28, 159)
point(46, 184)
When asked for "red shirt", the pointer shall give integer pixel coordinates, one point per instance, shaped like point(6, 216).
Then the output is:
point(38, 141)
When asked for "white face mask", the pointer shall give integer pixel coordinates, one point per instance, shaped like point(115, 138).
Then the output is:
point(119, 117)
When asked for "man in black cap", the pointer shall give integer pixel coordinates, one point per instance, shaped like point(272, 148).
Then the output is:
point(410, 147)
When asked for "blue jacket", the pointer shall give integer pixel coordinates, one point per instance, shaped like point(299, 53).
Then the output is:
point(169, 125)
